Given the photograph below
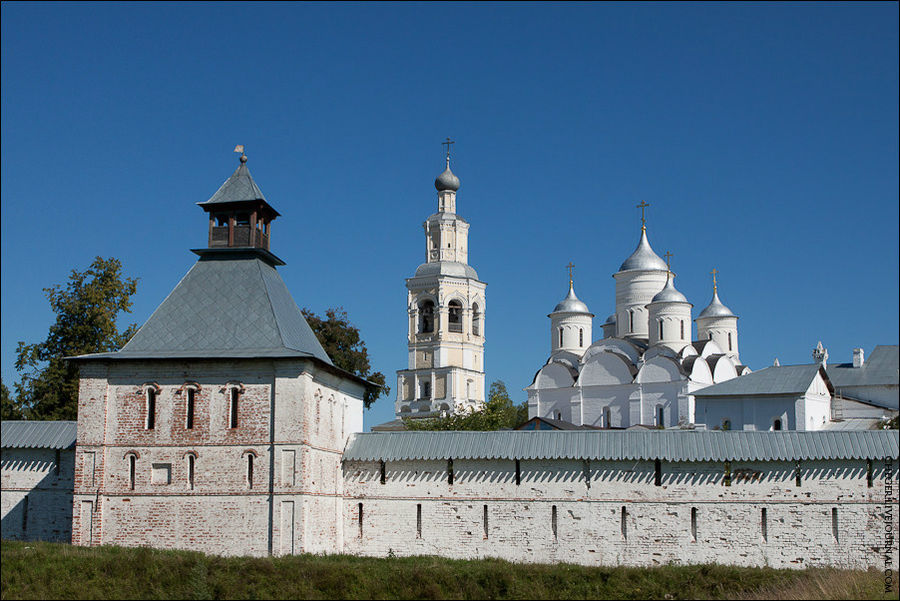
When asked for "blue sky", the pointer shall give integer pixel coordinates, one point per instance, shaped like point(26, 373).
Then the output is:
point(765, 137)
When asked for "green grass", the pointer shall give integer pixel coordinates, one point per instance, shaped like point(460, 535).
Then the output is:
point(57, 571)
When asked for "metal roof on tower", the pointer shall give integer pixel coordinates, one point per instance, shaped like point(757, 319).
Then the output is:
point(643, 257)
point(240, 187)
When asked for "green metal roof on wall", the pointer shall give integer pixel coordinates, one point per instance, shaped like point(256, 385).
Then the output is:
point(666, 445)
point(38, 435)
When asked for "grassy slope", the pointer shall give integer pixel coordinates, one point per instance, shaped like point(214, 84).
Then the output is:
point(55, 571)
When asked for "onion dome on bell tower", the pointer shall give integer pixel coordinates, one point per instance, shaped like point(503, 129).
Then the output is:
point(669, 316)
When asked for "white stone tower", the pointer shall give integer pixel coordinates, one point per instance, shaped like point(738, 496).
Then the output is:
point(446, 305)
point(716, 322)
point(570, 323)
point(638, 280)
point(669, 316)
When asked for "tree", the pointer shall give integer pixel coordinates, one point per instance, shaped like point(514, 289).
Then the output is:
point(342, 342)
point(499, 413)
point(86, 311)
point(9, 409)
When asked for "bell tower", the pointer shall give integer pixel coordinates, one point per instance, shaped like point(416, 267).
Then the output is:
point(446, 308)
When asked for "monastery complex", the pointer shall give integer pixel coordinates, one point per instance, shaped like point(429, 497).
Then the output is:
point(223, 426)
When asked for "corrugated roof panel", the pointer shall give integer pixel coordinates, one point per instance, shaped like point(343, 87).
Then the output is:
point(624, 445)
point(38, 434)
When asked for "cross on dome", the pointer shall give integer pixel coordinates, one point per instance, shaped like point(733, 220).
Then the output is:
point(643, 206)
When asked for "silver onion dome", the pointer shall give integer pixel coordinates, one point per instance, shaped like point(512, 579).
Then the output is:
point(571, 304)
point(643, 257)
point(716, 308)
point(446, 180)
point(669, 294)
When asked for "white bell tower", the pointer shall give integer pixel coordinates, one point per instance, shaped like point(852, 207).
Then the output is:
point(446, 306)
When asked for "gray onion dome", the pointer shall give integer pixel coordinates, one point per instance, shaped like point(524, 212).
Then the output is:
point(571, 304)
point(447, 181)
point(716, 308)
point(643, 257)
point(669, 294)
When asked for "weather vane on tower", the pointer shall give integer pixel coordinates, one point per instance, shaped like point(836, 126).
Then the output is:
point(240, 148)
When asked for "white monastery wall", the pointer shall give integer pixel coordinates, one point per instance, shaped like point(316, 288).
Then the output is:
point(622, 517)
point(37, 494)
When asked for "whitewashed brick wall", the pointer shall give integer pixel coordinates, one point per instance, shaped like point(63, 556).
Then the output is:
point(589, 520)
point(37, 494)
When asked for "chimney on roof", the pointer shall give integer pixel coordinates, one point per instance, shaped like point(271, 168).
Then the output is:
point(858, 358)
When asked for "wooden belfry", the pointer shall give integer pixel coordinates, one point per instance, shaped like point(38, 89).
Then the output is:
point(239, 216)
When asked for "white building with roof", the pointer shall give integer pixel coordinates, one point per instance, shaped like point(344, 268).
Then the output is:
point(647, 366)
point(446, 318)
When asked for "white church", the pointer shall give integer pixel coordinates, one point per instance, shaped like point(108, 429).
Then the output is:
point(646, 368)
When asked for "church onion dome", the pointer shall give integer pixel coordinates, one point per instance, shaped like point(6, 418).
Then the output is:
point(446, 180)
point(669, 294)
point(610, 321)
point(716, 309)
point(643, 257)
point(571, 304)
point(450, 268)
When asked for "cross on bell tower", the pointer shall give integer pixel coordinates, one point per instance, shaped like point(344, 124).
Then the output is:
point(643, 206)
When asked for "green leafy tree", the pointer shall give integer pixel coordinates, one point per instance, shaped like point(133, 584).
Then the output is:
point(342, 342)
point(9, 409)
point(86, 310)
point(499, 413)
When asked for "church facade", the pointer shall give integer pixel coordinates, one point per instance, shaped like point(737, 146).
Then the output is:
point(646, 367)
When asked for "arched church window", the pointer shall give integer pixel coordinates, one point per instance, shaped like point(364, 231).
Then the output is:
point(560, 337)
point(426, 317)
point(455, 316)
point(776, 425)
point(581, 337)
point(729, 341)
point(476, 320)
point(607, 421)
point(682, 329)
point(660, 416)
point(631, 320)
point(709, 336)
point(425, 390)
point(661, 329)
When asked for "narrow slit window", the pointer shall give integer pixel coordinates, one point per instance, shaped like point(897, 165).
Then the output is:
point(485, 510)
point(694, 524)
point(798, 475)
point(190, 470)
point(418, 520)
point(151, 408)
point(233, 409)
point(727, 473)
point(729, 341)
point(560, 337)
point(57, 460)
point(869, 478)
point(586, 472)
point(764, 524)
point(25, 517)
point(518, 473)
point(581, 337)
point(189, 417)
point(249, 470)
point(132, 471)
point(382, 471)
point(449, 471)
point(360, 507)
point(657, 472)
point(682, 329)
point(623, 523)
point(660, 329)
point(834, 524)
point(553, 524)
point(631, 320)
